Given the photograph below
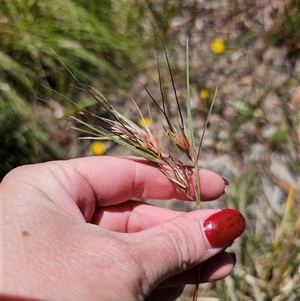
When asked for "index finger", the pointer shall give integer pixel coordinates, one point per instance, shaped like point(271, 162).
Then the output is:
point(104, 181)
point(117, 179)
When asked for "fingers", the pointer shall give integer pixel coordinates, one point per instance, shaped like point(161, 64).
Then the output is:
point(213, 269)
point(115, 180)
point(185, 241)
point(131, 216)
point(108, 180)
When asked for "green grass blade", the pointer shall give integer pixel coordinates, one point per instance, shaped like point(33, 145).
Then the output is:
point(206, 122)
point(191, 129)
point(189, 108)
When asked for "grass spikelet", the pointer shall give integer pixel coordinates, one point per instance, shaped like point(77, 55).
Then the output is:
point(143, 141)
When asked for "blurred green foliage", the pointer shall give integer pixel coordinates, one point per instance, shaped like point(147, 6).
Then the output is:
point(83, 34)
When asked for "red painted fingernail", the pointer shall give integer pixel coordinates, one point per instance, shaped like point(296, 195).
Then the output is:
point(223, 227)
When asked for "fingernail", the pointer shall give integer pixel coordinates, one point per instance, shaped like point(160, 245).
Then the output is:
point(226, 184)
point(222, 227)
point(233, 256)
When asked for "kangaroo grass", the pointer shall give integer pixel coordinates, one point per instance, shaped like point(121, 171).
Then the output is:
point(143, 141)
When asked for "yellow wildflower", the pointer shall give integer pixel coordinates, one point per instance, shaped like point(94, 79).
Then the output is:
point(97, 148)
point(204, 93)
point(217, 46)
point(144, 122)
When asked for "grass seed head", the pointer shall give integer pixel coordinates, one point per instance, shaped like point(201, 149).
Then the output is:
point(179, 138)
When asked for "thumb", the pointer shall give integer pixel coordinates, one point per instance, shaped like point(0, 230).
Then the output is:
point(187, 240)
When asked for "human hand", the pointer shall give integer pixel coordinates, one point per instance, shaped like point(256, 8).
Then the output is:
point(70, 231)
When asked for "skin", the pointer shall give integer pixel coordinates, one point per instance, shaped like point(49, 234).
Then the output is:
point(70, 231)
